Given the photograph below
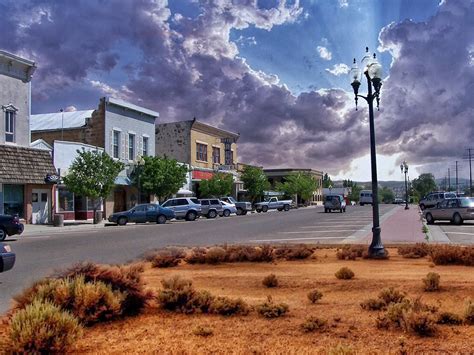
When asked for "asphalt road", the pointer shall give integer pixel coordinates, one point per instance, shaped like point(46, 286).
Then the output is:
point(40, 255)
point(462, 234)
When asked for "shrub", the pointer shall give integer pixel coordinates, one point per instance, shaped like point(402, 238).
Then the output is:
point(314, 296)
point(165, 258)
point(297, 252)
point(215, 255)
point(177, 295)
point(382, 322)
point(395, 312)
point(452, 255)
point(421, 323)
point(269, 309)
point(344, 273)
point(196, 256)
point(391, 295)
point(431, 282)
point(226, 306)
point(125, 279)
point(449, 318)
point(42, 328)
point(270, 281)
point(341, 349)
point(351, 252)
point(203, 331)
point(469, 312)
point(243, 253)
point(312, 324)
point(419, 250)
point(373, 304)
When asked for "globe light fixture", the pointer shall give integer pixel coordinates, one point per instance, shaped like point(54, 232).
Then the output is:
point(404, 169)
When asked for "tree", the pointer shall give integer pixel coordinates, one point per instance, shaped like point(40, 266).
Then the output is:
point(299, 184)
point(423, 185)
point(327, 181)
point(92, 174)
point(386, 195)
point(219, 185)
point(162, 177)
point(255, 182)
point(355, 192)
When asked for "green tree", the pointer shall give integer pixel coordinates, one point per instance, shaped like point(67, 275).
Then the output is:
point(386, 195)
point(255, 182)
point(160, 176)
point(299, 184)
point(92, 174)
point(355, 192)
point(423, 185)
point(219, 185)
point(327, 181)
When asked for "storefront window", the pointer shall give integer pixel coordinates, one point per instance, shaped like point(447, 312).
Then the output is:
point(65, 200)
point(13, 197)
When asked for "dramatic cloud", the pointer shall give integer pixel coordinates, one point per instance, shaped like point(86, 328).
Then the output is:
point(339, 69)
point(324, 53)
point(343, 3)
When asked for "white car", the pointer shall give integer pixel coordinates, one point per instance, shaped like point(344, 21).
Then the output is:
point(228, 209)
point(365, 197)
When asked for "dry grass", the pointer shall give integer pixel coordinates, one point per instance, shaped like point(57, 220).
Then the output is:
point(349, 327)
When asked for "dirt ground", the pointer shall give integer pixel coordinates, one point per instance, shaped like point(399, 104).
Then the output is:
point(158, 331)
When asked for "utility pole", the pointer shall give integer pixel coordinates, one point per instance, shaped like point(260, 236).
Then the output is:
point(449, 179)
point(457, 189)
point(470, 170)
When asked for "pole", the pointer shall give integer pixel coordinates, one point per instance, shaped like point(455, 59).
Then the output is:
point(457, 184)
point(376, 249)
point(406, 190)
point(62, 124)
point(449, 179)
point(470, 171)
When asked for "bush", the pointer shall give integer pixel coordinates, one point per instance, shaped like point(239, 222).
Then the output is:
point(226, 306)
point(178, 295)
point(314, 296)
point(449, 318)
point(351, 252)
point(203, 331)
point(196, 256)
point(298, 252)
point(243, 253)
point(165, 258)
point(431, 282)
point(344, 273)
point(269, 309)
point(373, 304)
point(419, 250)
point(452, 255)
point(421, 323)
point(270, 281)
point(42, 328)
point(312, 324)
point(382, 322)
point(341, 349)
point(469, 312)
point(391, 295)
point(215, 255)
point(395, 312)
point(125, 279)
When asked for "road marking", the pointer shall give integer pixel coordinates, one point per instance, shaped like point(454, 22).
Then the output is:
point(34, 237)
point(335, 225)
point(459, 233)
point(290, 239)
point(324, 231)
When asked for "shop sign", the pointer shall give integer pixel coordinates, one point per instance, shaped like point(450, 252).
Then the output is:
point(202, 175)
point(52, 179)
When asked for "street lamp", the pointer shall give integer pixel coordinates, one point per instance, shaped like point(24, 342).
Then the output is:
point(373, 73)
point(139, 162)
point(404, 169)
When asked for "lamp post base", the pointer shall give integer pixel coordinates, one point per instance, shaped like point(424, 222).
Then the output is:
point(376, 249)
point(407, 208)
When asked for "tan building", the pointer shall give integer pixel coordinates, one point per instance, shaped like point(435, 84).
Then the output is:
point(206, 149)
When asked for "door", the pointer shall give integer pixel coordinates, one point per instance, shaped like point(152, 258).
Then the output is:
point(40, 201)
point(119, 200)
point(138, 214)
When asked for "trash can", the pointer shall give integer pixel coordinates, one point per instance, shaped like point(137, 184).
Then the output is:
point(97, 217)
point(58, 220)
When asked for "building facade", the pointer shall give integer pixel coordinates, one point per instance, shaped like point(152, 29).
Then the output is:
point(26, 187)
point(206, 149)
point(123, 130)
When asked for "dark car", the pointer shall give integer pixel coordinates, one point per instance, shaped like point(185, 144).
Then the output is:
point(10, 225)
point(7, 258)
point(149, 212)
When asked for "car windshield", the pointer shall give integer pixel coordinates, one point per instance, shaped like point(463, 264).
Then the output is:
point(195, 200)
point(466, 202)
point(231, 200)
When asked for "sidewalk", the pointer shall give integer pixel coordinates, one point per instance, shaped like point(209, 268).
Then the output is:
point(82, 226)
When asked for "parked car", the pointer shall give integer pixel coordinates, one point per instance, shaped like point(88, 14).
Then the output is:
point(242, 207)
point(398, 201)
point(432, 199)
point(455, 210)
point(365, 197)
point(7, 257)
point(211, 207)
point(228, 209)
point(334, 203)
point(188, 208)
point(148, 212)
point(10, 225)
point(273, 203)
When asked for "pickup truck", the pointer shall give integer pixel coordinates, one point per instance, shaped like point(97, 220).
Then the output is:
point(242, 207)
point(272, 204)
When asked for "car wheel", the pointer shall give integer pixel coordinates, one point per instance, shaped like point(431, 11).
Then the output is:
point(264, 208)
point(244, 213)
point(212, 214)
point(122, 221)
point(239, 211)
point(361, 204)
point(161, 219)
point(191, 216)
point(258, 211)
point(286, 208)
point(422, 206)
point(340, 211)
point(226, 213)
point(457, 219)
point(3, 234)
point(429, 218)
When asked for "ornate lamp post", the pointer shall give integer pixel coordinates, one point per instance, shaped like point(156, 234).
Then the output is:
point(404, 169)
point(373, 74)
point(139, 162)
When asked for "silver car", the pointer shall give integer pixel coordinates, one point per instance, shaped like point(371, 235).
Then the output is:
point(211, 207)
point(432, 199)
point(188, 208)
point(455, 210)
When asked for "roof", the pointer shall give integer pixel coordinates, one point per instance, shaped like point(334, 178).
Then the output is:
point(21, 165)
point(286, 171)
point(17, 58)
point(48, 121)
point(41, 144)
point(16, 67)
point(121, 103)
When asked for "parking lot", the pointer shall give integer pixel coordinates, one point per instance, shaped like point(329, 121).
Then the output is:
point(462, 234)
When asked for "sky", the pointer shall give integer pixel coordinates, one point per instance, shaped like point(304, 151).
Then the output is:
point(274, 71)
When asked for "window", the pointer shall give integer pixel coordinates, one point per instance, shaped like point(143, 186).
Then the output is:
point(65, 200)
point(9, 126)
point(214, 202)
point(195, 200)
point(116, 144)
point(201, 152)
point(181, 202)
point(216, 155)
point(13, 197)
point(145, 147)
point(229, 157)
point(131, 146)
point(205, 202)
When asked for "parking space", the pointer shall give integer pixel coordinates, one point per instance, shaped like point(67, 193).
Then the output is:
point(462, 234)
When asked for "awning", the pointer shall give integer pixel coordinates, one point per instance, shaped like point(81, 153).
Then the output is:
point(123, 180)
point(184, 192)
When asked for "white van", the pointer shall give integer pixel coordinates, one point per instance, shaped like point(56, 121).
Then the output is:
point(365, 197)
